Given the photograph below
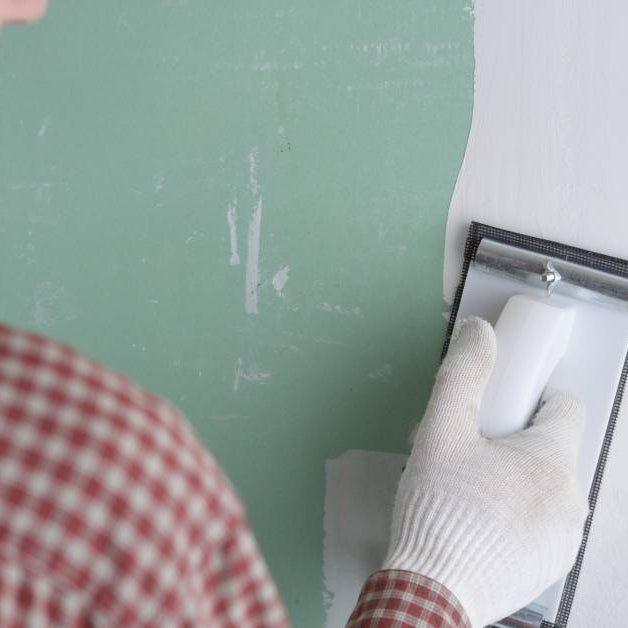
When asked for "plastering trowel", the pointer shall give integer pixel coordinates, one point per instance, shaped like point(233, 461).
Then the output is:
point(561, 321)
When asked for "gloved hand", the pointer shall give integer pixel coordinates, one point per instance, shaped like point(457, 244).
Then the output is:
point(494, 521)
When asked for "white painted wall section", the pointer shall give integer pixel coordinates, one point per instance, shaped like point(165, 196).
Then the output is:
point(359, 494)
point(547, 152)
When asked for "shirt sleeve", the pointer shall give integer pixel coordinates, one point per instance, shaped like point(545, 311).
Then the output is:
point(112, 512)
point(406, 600)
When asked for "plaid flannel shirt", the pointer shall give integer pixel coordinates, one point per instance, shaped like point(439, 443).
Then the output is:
point(401, 599)
point(113, 514)
point(111, 511)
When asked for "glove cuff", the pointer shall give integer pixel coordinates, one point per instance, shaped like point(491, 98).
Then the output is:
point(449, 541)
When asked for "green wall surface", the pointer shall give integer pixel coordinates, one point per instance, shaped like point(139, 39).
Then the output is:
point(129, 128)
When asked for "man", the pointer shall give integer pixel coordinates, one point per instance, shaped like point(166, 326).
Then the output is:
point(113, 514)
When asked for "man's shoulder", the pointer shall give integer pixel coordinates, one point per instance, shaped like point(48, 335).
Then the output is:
point(99, 473)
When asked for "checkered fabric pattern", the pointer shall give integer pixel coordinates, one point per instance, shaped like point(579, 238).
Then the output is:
point(111, 511)
point(401, 599)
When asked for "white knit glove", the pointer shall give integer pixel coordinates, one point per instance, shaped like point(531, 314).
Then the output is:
point(494, 521)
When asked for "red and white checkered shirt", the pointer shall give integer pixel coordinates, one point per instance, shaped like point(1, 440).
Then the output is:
point(401, 599)
point(111, 511)
point(113, 514)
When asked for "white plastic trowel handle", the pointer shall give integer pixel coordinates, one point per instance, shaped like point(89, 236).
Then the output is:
point(532, 336)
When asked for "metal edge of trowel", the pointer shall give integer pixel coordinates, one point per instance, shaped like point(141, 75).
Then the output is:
point(588, 259)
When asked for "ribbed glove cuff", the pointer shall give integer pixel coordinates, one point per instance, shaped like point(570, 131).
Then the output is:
point(449, 541)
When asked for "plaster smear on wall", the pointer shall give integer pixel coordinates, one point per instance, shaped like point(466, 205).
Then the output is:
point(252, 260)
point(232, 221)
point(255, 227)
point(547, 156)
point(280, 279)
point(359, 494)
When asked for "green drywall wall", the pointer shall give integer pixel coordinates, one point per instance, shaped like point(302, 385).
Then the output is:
point(125, 133)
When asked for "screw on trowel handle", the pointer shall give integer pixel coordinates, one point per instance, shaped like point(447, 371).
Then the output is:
point(532, 336)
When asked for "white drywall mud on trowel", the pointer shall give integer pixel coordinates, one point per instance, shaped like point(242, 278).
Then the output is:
point(546, 156)
point(359, 494)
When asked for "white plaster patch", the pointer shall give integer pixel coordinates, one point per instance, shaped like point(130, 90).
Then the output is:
point(359, 493)
point(52, 303)
point(253, 166)
point(280, 280)
point(195, 236)
point(251, 373)
point(343, 311)
point(381, 372)
point(160, 181)
point(43, 128)
point(255, 226)
point(252, 260)
point(232, 221)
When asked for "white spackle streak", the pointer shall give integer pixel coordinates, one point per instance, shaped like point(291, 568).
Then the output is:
point(252, 260)
point(253, 164)
point(195, 237)
point(254, 375)
point(52, 303)
point(251, 374)
point(383, 372)
point(232, 220)
point(280, 279)
point(237, 375)
point(43, 128)
point(546, 156)
point(338, 309)
point(359, 492)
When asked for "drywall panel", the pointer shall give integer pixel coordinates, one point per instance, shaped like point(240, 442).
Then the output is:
point(242, 205)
